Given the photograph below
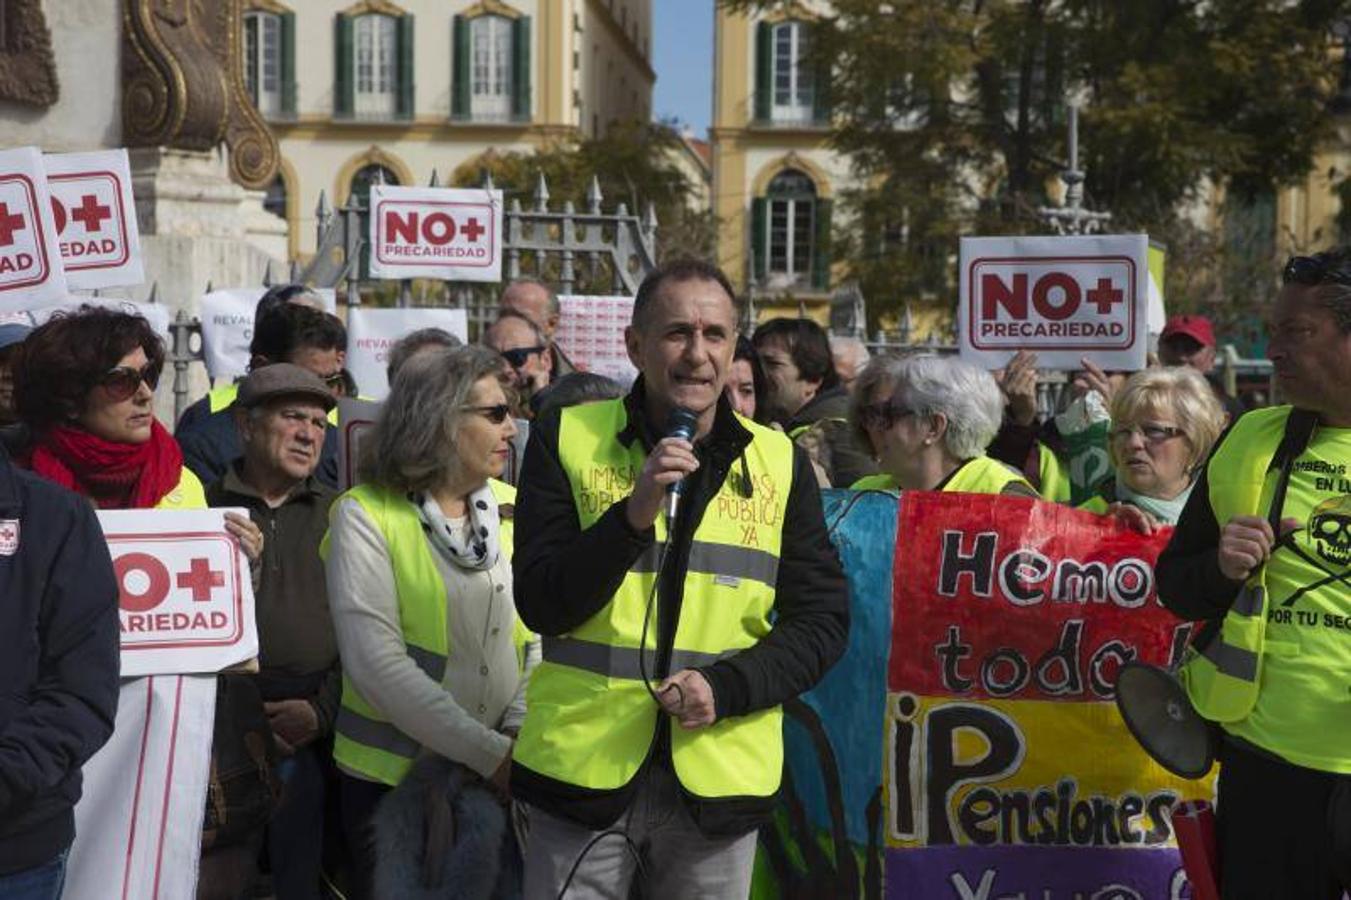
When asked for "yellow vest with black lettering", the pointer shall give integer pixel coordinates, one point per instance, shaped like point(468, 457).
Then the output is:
point(978, 475)
point(589, 718)
point(364, 741)
point(1222, 677)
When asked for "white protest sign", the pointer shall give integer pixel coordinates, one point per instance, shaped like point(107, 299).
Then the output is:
point(454, 234)
point(371, 332)
point(1063, 297)
point(591, 332)
point(185, 596)
point(227, 326)
point(30, 262)
point(155, 313)
point(95, 218)
point(355, 418)
point(138, 825)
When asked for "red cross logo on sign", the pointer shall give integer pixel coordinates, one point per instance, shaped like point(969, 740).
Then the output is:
point(9, 223)
point(472, 230)
point(1104, 296)
point(200, 578)
point(90, 213)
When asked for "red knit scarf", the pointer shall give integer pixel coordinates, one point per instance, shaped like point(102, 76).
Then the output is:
point(113, 474)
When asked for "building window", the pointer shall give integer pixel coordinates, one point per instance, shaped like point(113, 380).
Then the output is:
point(491, 91)
point(375, 63)
point(792, 225)
point(274, 201)
point(360, 186)
point(793, 87)
point(262, 61)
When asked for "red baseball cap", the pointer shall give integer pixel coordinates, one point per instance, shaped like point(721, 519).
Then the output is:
point(1198, 328)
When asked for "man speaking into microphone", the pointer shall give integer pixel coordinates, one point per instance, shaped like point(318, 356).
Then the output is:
point(652, 746)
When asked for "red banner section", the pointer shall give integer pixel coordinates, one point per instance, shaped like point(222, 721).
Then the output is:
point(997, 597)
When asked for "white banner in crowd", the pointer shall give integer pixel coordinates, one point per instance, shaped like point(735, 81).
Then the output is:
point(1064, 297)
point(157, 314)
point(227, 327)
point(355, 418)
point(30, 260)
point(591, 333)
point(185, 595)
point(138, 825)
point(454, 234)
point(371, 332)
point(95, 218)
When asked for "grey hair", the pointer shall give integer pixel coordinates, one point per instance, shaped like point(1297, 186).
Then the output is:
point(506, 314)
point(529, 279)
point(927, 385)
point(412, 447)
point(405, 347)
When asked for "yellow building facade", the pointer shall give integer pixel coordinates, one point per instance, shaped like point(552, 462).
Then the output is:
point(408, 87)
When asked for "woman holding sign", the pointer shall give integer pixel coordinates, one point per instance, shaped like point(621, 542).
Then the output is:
point(928, 420)
point(421, 594)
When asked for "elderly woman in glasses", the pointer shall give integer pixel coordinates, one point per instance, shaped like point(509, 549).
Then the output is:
point(1164, 422)
point(928, 420)
point(421, 593)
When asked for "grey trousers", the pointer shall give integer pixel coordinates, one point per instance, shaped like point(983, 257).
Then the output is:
point(678, 861)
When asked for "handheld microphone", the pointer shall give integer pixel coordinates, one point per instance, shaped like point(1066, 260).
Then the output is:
point(681, 424)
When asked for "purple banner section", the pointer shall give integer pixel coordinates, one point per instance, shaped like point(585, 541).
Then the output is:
point(1034, 873)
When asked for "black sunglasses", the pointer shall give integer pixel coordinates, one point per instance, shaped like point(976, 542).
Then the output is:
point(1314, 270)
point(516, 358)
point(882, 415)
point(496, 414)
point(122, 381)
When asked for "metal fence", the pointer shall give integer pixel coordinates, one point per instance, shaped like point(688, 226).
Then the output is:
point(587, 250)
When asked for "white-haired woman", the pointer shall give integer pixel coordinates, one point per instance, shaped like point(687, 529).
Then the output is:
point(928, 420)
point(420, 590)
point(1164, 422)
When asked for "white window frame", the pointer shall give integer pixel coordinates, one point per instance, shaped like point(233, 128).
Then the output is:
point(792, 86)
point(375, 66)
point(262, 60)
point(491, 68)
point(792, 210)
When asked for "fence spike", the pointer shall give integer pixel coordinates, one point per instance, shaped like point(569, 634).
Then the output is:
point(378, 176)
point(209, 288)
point(515, 205)
point(267, 275)
point(321, 210)
point(294, 277)
point(650, 217)
point(488, 184)
point(622, 209)
point(154, 293)
point(541, 194)
point(593, 196)
point(435, 180)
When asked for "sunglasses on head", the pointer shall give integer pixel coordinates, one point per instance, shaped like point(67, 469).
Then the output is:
point(517, 358)
point(335, 381)
point(497, 414)
point(122, 381)
point(1314, 270)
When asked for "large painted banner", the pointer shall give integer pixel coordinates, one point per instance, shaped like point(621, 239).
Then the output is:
point(983, 651)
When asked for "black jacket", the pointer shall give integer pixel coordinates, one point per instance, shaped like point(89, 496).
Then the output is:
point(1190, 582)
point(59, 665)
point(564, 575)
point(211, 442)
point(844, 460)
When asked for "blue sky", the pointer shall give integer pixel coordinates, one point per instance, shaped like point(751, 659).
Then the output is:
point(682, 51)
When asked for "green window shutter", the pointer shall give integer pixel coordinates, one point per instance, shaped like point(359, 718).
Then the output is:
point(459, 76)
point(405, 69)
point(821, 247)
point(759, 238)
point(288, 63)
point(520, 69)
point(344, 86)
point(820, 85)
point(764, 71)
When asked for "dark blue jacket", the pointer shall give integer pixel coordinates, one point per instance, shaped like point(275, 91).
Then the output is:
point(58, 661)
point(211, 442)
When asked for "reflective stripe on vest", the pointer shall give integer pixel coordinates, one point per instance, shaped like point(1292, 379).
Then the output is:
point(364, 741)
point(1222, 678)
point(589, 719)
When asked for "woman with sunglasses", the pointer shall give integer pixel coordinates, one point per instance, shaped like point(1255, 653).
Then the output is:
point(928, 420)
point(1164, 422)
point(421, 594)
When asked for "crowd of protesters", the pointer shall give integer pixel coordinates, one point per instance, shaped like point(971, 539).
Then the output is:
point(391, 694)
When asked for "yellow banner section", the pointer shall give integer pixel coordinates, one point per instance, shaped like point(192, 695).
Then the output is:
point(984, 773)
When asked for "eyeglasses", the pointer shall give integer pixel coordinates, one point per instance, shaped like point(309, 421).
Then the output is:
point(1153, 434)
point(496, 414)
point(335, 382)
point(882, 415)
point(1314, 270)
point(122, 381)
point(517, 358)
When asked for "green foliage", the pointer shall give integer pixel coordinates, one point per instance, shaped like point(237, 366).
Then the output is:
point(952, 114)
